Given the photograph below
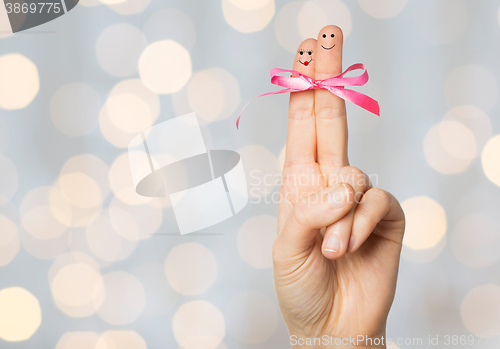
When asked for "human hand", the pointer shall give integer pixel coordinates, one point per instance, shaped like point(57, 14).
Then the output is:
point(339, 240)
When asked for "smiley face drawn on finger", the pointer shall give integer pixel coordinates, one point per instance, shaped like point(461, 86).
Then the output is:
point(304, 53)
point(328, 43)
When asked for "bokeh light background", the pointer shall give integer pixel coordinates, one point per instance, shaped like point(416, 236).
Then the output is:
point(88, 264)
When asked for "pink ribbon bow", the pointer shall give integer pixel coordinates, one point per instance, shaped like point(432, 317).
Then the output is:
point(334, 84)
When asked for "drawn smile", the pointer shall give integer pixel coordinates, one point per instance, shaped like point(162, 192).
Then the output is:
point(306, 63)
point(328, 48)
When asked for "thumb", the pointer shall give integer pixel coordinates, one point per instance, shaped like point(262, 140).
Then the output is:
point(308, 216)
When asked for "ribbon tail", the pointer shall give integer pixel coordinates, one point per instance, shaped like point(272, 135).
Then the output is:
point(357, 98)
point(262, 95)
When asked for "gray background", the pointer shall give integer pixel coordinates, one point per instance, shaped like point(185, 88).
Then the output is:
point(408, 73)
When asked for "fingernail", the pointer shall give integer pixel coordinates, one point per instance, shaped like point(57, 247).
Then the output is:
point(351, 243)
point(332, 244)
point(337, 198)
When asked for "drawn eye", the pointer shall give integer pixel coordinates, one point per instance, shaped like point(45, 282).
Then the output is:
point(301, 53)
point(332, 35)
point(310, 53)
point(324, 35)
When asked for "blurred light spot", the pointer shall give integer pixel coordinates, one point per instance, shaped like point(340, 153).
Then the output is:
point(129, 113)
point(259, 321)
point(261, 170)
point(74, 109)
point(147, 220)
point(471, 84)
point(124, 299)
point(383, 8)
point(317, 14)
point(392, 346)
point(449, 147)
point(68, 214)
point(250, 5)
point(9, 181)
point(165, 66)
point(442, 22)
point(476, 240)
point(44, 249)
point(39, 218)
point(121, 340)
point(491, 160)
point(70, 258)
point(481, 310)
point(255, 241)
point(76, 284)
point(9, 240)
point(105, 242)
point(19, 81)
point(425, 222)
point(171, 24)
point(425, 255)
point(213, 94)
point(120, 178)
point(475, 120)
point(111, 2)
point(285, 26)
point(209, 330)
point(191, 268)
point(83, 181)
point(311, 19)
point(80, 190)
point(248, 19)
point(78, 340)
point(111, 119)
point(129, 7)
point(20, 314)
point(118, 48)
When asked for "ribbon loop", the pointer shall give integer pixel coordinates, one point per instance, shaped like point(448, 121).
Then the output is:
point(336, 85)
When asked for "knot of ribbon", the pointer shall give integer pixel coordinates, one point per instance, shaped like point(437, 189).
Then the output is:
point(336, 85)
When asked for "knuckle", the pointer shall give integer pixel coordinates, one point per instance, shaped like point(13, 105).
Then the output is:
point(330, 112)
point(355, 177)
point(300, 113)
point(381, 196)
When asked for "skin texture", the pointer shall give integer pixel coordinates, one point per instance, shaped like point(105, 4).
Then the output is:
point(345, 288)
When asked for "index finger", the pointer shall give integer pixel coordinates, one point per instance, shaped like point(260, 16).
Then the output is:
point(330, 110)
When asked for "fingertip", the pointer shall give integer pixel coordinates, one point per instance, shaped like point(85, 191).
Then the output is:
point(305, 59)
point(332, 255)
point(329, 52)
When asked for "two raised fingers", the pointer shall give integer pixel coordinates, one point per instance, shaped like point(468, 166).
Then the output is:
point(317, 124)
